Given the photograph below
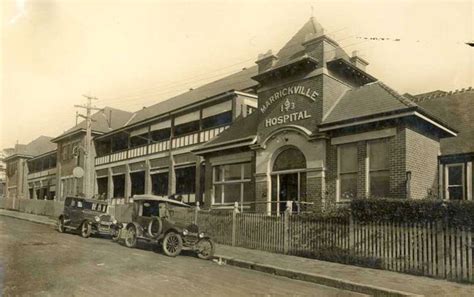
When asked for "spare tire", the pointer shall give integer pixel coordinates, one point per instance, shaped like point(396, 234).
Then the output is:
point(154, 227)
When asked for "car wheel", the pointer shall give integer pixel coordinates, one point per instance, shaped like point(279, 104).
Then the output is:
point(61, 228)
point(205, 248)
point(172, 244)
point(155, 227)
point(86, 229)
point(115, 233)
point(131, 238)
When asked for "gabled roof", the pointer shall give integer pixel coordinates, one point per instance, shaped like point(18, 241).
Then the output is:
point(457, 109)
point(370, 99)
point(103, 121)
point(238, 81)
point(39, 146)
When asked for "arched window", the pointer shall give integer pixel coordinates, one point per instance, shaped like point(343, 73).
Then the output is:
point(291, 158)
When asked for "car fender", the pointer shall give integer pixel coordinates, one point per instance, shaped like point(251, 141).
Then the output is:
point(65, 218)
point(173, 229)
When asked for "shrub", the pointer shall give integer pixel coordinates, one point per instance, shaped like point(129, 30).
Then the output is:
point(456, 213)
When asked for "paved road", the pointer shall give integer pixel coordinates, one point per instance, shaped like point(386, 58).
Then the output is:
point(37, 260)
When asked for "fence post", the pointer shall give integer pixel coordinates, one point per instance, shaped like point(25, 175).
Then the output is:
point(196, 211)
point(440, 255)
point(234, 221)
point(351, 233)
point(286, 228)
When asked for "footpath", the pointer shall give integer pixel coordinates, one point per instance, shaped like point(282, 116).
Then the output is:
point(352, 278)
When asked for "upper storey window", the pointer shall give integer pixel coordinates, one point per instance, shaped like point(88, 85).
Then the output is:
point(160, 131)
point(186, 123)
point(217, 115)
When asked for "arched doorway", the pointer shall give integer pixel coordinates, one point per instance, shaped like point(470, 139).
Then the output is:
point(288, 179)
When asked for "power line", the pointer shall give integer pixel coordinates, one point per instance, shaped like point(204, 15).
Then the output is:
point(112, 99)
point(139, 98)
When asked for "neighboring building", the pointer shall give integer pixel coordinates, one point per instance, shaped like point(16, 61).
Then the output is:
point(457, 153)
point(3, 171)
point(152, 152)
point(17, 168)
point(41, 176)
point(71, 151)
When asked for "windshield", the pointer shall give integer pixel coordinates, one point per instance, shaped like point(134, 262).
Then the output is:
point(149, 208)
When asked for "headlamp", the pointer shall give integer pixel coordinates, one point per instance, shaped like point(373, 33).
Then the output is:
point(185, 232)
point(201, 235)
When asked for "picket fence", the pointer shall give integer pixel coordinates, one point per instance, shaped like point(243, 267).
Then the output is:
point(433, 249)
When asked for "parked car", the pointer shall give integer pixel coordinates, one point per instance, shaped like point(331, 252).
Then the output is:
point(87, 216)
point(152, 221)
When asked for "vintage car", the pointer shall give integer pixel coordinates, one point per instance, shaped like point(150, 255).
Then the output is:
point(87, 216)
point(152, 221)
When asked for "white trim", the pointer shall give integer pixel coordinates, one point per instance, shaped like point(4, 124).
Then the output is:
point(246, 94)
point(436, 124)
point(161, 125)
point(469, 180)
point(371, 135)
point(377, 119)
point(233, 161)
point(186, 118)
point(382, 118)
point(217, 109)
point(140, 131)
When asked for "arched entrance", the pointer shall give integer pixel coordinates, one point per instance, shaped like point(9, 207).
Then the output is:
point(288, 179)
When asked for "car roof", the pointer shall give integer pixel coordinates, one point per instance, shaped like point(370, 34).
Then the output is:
point(158, 198)
point(88, 200)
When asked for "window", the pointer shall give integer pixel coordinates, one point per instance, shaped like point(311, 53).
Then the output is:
point(138, 182)
point(139, 140)
point(186, 183)
point(289, 159)
point(103, 147)
point(232, 183)
point(454, 181)
point(102, 186)
point(160, 135)
point(186, 128)
point(119, 142)
point(379, 168)
point(347, 171)
point(217, 120)
point(159, 184)
point(119, 185)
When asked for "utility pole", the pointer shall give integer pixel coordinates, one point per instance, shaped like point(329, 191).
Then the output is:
point(88, 158)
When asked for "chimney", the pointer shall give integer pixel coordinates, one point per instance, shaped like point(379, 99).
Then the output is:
point(357, 61)
point(266, 61)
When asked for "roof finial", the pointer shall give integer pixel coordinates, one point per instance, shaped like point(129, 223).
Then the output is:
point(312, 11)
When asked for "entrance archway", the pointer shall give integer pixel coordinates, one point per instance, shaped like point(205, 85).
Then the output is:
point(288, 179)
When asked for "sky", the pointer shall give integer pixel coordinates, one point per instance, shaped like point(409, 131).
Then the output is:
point(131, 54)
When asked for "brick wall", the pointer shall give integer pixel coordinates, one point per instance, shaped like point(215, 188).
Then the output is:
point(421, 160)
point(397, 148)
